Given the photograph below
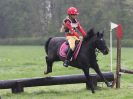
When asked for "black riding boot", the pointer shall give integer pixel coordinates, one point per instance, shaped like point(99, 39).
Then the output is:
point(69, 56)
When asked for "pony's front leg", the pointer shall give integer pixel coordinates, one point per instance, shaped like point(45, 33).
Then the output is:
point(49, 65)
point(88, 79)
point(98, 71)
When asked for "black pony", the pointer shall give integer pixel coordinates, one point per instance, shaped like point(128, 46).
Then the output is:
point(86, 57)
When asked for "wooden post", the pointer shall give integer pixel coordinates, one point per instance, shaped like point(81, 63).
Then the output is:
point(118, 67)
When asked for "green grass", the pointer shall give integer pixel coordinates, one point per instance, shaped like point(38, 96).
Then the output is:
point(28, 61)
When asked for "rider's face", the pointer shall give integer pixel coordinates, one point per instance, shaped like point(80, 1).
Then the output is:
point(73, 16)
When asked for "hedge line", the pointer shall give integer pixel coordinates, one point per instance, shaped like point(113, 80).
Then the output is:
point(41, 41)
point(23, 41)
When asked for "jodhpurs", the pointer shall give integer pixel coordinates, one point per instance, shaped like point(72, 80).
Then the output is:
point(71, 41)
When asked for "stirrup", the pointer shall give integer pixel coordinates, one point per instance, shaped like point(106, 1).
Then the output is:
point(66, 63)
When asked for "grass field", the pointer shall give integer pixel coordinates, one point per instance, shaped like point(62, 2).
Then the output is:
point(28, 61)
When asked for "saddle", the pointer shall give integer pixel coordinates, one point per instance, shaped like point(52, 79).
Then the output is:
point(64, 49)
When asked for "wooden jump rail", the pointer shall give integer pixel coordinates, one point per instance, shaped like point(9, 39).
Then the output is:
point(126, 71)
point(19, 84)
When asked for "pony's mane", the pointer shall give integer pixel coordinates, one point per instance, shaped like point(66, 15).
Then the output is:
point(89, 35)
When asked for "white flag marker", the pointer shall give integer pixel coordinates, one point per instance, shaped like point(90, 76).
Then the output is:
point(112, 26)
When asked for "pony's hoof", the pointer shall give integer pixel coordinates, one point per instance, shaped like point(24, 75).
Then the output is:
point(109, 84)
point(93, 91)
point(65, 64)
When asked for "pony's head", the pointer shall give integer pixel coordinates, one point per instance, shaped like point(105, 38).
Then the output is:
point(101, 44)
point(96, 40)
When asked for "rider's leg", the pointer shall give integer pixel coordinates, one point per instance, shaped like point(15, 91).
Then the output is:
point(69, 56)
point(71, 41)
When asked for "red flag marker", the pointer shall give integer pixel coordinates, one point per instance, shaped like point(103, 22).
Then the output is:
point(119, 31)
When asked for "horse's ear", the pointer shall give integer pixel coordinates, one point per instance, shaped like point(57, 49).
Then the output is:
point(100, 34)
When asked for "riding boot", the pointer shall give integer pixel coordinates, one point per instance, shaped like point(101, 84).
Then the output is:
point(69, 56)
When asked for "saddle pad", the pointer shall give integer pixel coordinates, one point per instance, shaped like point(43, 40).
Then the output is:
point(64, 48)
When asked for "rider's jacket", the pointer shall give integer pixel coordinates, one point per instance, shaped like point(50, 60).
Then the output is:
point(70, 27)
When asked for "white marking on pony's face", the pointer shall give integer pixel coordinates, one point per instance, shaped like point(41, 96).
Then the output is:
point(101, 39)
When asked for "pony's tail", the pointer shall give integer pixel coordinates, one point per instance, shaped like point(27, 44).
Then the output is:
point(46, 45)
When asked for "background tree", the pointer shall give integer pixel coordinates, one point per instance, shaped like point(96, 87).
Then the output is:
point(39, 19)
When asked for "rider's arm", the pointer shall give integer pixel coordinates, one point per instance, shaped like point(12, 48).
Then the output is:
point(81, 30)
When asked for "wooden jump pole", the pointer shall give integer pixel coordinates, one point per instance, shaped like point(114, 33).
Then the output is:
point(19, 84)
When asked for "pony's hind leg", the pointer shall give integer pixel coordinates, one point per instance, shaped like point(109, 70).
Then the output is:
point(49, 65)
